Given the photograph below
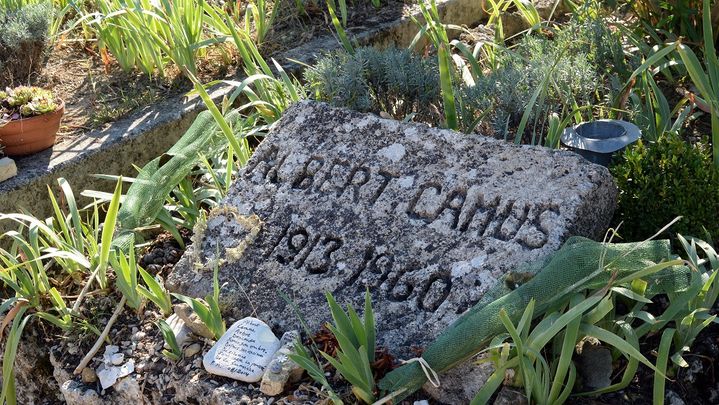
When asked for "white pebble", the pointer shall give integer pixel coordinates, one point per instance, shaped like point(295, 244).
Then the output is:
point(118, 358)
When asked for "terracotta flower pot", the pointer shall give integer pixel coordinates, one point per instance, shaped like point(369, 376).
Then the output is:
point(31, 135)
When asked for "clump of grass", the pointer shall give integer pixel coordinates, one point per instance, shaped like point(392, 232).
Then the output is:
point(40, 252)
point(542, 351)
point(208, 310)
point(110, 108)
point(356, 339)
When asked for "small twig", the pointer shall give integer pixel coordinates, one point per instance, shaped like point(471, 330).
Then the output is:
point(101, 338)
point(80, 297)
point(254, 309)
point(72, 297)
point(142, 390)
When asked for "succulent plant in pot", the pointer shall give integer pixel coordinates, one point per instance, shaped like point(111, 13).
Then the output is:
point(29, 119)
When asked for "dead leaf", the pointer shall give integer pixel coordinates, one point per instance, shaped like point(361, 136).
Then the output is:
point(21, 302)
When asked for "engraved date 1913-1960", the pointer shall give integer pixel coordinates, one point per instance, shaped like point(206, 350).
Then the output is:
point(424, 287)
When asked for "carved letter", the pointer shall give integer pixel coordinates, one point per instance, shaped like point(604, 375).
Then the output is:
point(435, 292)
point(338, 175)
point(514, 222)
point(453, 205)
point(399, 287)
point(319, 261)
point(425, 205)
point(358, 177)
point(479, 214)
point(267, 165)
point(386, 177)
point(307, 176)
point(534, 233)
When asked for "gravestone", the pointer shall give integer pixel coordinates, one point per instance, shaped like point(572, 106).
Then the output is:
point(429, 220)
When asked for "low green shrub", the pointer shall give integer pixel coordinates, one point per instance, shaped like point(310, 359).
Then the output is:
point(24, 35)
point(571, 68)
point(394, 81)
point(548, 73)
point(592, 35)
point(660, 181)
point(568, 78)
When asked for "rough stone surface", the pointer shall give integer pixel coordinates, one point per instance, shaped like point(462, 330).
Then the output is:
point(7, 169)
point(459, 385)
point(429, 220)
point(510, 396)
point(243, 352)
point(192, 321)
point(192, 349)
point(594, 364)
point(127, 392)
point(281, 369)
point(34, 370)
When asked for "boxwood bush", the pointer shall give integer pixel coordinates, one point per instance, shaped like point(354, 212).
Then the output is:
point(24, 36)
point(660, 181)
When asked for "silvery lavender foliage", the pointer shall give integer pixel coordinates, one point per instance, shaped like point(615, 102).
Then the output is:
point(570, 69)
point(395, 81)
point(575, 61)
point(23, 39)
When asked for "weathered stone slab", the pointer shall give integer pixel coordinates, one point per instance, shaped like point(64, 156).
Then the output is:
point(427, 219)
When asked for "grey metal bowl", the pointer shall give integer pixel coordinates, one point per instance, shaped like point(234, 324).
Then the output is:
point(598, 140)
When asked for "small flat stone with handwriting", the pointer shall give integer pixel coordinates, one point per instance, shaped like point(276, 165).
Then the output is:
point(428, 219)
point(243, 352)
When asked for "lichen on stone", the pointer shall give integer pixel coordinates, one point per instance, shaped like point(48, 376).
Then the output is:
point(243, 229)
point(253, 224)
point(198, 234)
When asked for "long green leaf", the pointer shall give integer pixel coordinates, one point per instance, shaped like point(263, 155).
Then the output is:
point(342, 321)
point(369, 325)
point(662, 357)
point(8, 387)
point(622, 345)
point(74, 213)
point(445, 78)
point(155, 292)
point(564, 365)
point(108, 231)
